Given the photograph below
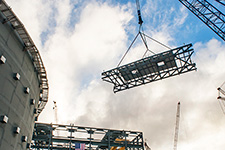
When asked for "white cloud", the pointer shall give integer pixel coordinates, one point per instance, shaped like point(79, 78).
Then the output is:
point(75, 58)
point(75, 55)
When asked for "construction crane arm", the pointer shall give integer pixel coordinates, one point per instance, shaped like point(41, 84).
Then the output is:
point(208, 14)
point(221, 2)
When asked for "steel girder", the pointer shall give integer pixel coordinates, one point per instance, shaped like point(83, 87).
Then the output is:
point(153, 68)
point(44, 137)
point(208, 14)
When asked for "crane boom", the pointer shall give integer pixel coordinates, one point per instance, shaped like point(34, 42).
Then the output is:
point(208, 14)
point(221, 2)
point(177, 127)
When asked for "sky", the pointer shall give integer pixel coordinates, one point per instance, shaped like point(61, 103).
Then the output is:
point(78, 39)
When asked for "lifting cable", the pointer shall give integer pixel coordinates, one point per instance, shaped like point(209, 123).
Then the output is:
point(143, 36)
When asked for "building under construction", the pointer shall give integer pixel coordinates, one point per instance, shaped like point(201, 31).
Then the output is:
point(24, 90)
point(24, 94)
point(24, 84)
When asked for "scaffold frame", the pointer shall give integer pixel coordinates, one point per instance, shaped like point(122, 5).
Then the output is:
point(58, 136)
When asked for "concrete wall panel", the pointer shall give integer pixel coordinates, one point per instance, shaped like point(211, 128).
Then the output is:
point(14, 102)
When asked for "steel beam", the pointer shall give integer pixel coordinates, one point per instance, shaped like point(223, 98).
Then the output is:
point(44, 138)
point(149, 69)
point(208, 14)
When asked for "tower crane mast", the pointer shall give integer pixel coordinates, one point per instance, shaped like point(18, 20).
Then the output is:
point(56, 112)
point(55, 108)
point(208, 14)
point(177, 127)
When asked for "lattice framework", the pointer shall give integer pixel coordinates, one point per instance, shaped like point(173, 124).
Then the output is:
point(44, 137)
point(153, 68)
point(208, 14)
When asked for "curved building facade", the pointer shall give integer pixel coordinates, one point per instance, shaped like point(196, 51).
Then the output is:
point(23, 82)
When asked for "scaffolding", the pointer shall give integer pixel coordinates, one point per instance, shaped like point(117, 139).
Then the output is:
point(69, 136)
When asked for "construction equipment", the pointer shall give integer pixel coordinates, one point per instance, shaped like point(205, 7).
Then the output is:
point(209, 14)
point(157, 67)
point(56, 115)
point(118, 140)
point(146, 145)
point(148, 69)
point(177, 127)
point(221, 2)
point(215, 20)
point(96, 138)
point(56, 112)
point(221, 97)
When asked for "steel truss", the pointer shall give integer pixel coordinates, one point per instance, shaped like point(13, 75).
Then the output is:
point(221, 91)
point(208, 14)
point(221, 97)
point(93, 138)
point(221, 2)
point(153, 68)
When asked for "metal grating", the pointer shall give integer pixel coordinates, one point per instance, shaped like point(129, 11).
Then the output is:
point(32, 50)
point(153, 68)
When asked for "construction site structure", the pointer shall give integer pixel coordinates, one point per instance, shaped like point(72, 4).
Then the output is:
point(157, 67)
point(23, 80)
point(208, 14)
point(149, 69)
point(55, 108)
point(92, 138)
point(177, 127)
point(221, 97)
point(215, 20)
point(147, 147)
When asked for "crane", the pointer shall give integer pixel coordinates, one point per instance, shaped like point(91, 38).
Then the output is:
point(56, 112)
point(221, 97)
point(221, 2)
point(208, 14)
point(146, 145)
point(56, 115)
point(150, 68)
point(140, 21)
point(177, 127)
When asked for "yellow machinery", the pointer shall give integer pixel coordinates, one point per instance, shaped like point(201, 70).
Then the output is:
point(117, 148)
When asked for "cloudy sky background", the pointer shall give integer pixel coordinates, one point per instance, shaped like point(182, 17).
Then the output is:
point(78, 39)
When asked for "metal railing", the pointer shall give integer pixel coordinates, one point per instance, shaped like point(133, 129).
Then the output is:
point(31, 49)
